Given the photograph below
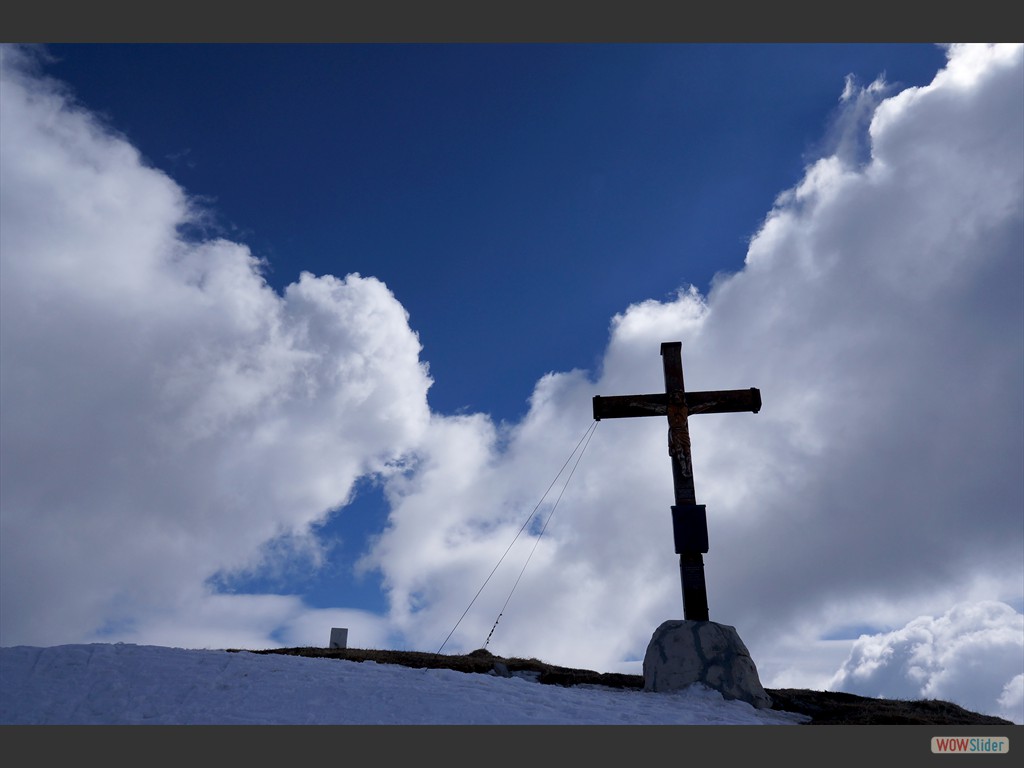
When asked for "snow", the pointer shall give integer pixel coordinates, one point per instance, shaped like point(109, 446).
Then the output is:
point(121, 684)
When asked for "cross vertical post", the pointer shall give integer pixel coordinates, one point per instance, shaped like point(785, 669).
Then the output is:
point(689, 519)
point(685, 512)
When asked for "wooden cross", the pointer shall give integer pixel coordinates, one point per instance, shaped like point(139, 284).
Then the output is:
point(689, 519)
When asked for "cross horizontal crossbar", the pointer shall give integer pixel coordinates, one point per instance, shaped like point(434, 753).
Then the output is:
point(722, 401)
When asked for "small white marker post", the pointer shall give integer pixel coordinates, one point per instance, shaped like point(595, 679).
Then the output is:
point(339, 638)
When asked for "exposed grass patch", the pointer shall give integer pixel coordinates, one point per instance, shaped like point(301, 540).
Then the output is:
point(823, 707)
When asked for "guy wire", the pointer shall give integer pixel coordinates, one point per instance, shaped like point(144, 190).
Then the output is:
point(543, 528)
point(586, 436)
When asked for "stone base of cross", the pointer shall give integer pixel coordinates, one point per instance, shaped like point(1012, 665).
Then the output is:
point(689, 519)
point(682, 653)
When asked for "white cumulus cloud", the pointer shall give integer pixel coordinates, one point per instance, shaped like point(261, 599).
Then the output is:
point(966, 655)
point(165, 413)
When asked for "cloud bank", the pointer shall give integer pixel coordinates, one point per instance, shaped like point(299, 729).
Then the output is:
point(166, 414)
point(962, 654)
point(167, 417)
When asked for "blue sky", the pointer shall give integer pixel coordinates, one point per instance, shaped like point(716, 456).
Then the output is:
point(513, 197)
point(529, 223)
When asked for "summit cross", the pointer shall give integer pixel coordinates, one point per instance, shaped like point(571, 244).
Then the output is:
point(689, 519)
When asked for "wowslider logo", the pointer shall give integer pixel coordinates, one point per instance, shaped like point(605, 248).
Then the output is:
point(980, 745)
